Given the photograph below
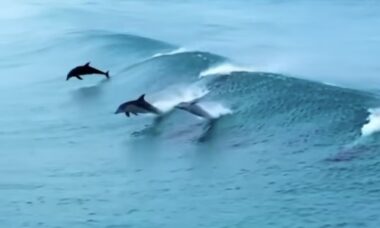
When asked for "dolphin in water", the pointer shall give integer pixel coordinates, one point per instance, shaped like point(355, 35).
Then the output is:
point(194, 108)
point(85, 70)
point(137, 106)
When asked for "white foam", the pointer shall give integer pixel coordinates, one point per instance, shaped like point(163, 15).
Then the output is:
point(226, 68)
point(170, 97)
point(373, 124)
point(173, 52)
point(175, 95)
point(215, 109)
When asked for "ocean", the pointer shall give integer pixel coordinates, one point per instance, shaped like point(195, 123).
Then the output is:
point(293, 87)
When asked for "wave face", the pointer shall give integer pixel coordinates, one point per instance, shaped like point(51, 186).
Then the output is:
point(275, 142)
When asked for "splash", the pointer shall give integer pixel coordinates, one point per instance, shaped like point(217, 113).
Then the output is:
point(226, 68)
point(175, 95)
point(373, 124)
point(215, 109)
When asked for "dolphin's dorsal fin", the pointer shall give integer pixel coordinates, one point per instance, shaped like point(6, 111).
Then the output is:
point(87, 64)
point(195, 101)
point(141, 98)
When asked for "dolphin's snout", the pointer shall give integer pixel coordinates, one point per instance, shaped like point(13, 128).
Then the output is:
point(118, 111)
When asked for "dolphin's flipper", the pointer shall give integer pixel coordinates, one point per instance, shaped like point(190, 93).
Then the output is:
point(79, 77)
point(134, 113)
point(127, 114)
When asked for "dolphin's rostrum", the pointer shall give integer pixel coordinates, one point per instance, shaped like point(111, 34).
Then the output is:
point(137, 106)
point(85, 70)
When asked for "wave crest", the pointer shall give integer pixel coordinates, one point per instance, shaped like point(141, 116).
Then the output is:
point(226, 68)
point(173, 52)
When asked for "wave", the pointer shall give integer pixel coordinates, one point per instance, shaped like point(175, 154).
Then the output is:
point(264, 105)
point(131, 41)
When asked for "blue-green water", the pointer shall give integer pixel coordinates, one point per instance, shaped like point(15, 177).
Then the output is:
point(293, 85)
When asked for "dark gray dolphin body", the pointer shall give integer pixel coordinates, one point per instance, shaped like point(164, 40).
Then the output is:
point(137, 106)
point(194, 108)
point(85, 70)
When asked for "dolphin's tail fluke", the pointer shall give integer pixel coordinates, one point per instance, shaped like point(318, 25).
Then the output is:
point(107, 74)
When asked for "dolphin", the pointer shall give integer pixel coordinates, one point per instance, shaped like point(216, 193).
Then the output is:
point(137, 106)
point(194, 108)
point(85, 70)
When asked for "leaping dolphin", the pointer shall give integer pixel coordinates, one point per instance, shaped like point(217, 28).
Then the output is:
point(85, 70)
point(137, 106)
point(194, 108)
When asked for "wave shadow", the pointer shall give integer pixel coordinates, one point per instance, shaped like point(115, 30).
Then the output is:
point(91, 92)
point(155, 128)
point(208, 131)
